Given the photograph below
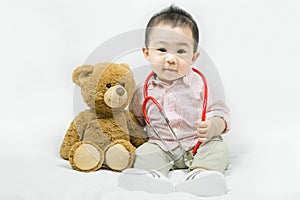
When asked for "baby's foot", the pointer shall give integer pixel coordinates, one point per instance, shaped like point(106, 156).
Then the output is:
point(145, 180)
point(203, 183)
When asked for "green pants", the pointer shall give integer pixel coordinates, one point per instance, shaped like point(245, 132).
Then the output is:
point(212, 155)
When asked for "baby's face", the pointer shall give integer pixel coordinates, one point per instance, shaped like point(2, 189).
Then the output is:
point(170, 52)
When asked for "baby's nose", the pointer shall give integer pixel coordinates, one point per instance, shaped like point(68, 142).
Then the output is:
point(170, 58)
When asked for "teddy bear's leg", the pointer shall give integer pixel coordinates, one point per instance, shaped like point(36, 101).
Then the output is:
point(70, 139)
point(119, 155)
point(85, 156)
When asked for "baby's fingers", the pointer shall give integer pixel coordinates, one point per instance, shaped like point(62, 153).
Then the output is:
point(202, 130)
point(202, 140)
point(203, 124)
point(202, 137)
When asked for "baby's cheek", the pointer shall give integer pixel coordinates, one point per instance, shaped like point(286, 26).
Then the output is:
point(184, 68)
point(183, 72)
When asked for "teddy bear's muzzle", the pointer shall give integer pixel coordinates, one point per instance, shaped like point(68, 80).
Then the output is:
point(116, 97)
point(120, 91)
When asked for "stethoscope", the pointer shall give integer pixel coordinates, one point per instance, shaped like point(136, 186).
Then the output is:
point(163, 114)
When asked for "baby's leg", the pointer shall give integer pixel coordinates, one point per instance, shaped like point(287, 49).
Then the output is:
point(206, 177)
point(150, 156)
point(213, 155)
point(148, 172)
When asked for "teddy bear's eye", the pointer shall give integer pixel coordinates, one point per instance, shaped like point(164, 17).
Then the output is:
point(108, 85)
point(122, 84)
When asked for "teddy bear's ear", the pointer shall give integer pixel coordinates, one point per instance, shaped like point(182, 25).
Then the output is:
point(125, 65)
point(81, 73)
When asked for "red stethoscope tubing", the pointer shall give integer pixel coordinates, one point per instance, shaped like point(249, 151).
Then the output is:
point(150, 98)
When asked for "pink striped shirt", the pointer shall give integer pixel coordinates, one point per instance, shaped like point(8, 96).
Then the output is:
point(182, 102)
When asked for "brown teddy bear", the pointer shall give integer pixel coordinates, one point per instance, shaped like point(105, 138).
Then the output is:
point(106, 134)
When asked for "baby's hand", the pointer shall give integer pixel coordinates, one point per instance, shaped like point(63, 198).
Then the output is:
point(204, 131)
point(210, 128)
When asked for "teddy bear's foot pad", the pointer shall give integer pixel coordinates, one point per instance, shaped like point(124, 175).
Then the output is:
point(85, 156)
point(117, 157)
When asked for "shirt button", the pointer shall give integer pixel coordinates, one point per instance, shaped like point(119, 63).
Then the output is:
point(175, 130)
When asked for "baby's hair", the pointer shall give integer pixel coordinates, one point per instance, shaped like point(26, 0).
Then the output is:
point(176, 17)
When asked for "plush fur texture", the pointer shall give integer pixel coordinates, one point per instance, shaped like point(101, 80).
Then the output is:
point(106, 133)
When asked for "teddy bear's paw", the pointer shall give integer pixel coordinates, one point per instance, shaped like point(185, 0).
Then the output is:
point(85, 156)
point(118, 158)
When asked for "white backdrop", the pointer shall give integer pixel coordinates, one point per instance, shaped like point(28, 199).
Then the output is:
point(253, 43)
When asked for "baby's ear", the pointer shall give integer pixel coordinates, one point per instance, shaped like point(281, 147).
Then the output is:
point(81, 73)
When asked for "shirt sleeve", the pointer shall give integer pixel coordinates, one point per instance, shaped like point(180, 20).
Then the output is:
point(217, 108)
point(135, 106)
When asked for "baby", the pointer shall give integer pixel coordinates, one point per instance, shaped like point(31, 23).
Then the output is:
point(171, 43)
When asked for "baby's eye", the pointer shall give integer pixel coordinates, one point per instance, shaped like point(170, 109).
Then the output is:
point(122, 84)
point(162, 50)
point(181, 51)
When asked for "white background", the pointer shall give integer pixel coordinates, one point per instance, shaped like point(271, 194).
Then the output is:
point(253, 43)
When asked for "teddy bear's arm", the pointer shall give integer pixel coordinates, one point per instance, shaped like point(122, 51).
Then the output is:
point(75, 131)
point(137, 134)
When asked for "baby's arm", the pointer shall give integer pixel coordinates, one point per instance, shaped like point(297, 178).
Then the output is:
point(217, 118)
point(210, 128)
point(135, 105)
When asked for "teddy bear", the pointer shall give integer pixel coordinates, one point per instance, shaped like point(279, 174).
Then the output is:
point(105, 135)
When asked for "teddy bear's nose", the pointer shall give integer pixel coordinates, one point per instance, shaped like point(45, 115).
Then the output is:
point(120, 91)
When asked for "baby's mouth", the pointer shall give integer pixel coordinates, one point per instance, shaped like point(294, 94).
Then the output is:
point(170, 70)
